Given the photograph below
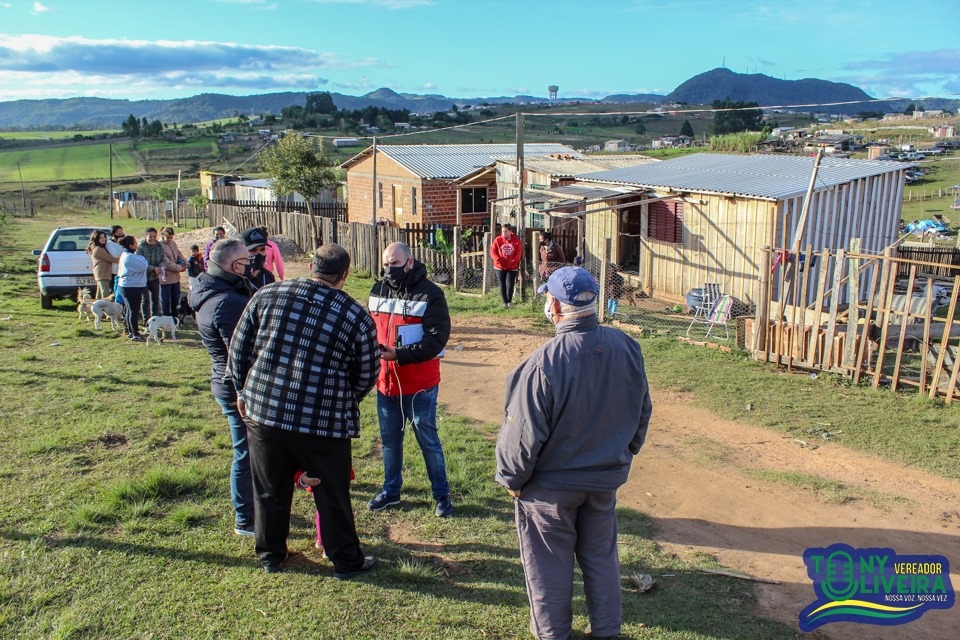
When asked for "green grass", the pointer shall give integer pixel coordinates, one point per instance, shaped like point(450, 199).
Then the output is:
point(59, 164)
point(50, 135)
point(116, 519)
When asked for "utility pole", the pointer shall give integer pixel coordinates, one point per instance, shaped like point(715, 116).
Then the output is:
point(522, 212)
point(373, 220)
point(23, 196)
point(110, 193)
point(176, 202)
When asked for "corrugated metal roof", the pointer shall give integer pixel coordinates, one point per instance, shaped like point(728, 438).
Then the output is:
point(457, 160)
point(563, 167)
point(260, 183)
point(761, 176)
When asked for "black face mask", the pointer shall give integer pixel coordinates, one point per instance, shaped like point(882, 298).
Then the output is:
point(256, 262)
point(395, 275)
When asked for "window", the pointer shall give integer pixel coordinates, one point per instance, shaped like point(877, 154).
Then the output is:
point(413, 200)
point(473, 200)
point(665, 221)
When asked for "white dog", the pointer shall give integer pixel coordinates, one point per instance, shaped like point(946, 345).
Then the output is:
point(162, 324)
point(84, 302)
point(107, 309)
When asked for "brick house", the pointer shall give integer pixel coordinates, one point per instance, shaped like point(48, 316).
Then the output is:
point(422, 184)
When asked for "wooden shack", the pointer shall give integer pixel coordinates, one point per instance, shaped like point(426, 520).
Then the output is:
point(707, 217)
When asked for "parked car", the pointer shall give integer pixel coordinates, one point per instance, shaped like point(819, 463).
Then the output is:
point(932, 151)
point(64, 264)
point(887, 156)
point(915, 156)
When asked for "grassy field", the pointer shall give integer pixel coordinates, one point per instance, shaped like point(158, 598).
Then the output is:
point(65, 163)
point(117, 521)
point(50, 135)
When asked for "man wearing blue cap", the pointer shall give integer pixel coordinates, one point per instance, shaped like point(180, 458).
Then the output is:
point(576, 413)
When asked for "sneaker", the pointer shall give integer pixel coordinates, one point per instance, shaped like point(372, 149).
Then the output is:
point(383, 501)
point(444, 508)
point(136, 338)
point(244, 531)
point(369, 562)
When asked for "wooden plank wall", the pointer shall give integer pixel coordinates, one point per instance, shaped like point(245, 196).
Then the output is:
point(879, 337)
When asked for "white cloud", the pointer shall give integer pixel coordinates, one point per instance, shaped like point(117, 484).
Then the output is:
point(39, 8)
point(50, 65)
point(908, 73)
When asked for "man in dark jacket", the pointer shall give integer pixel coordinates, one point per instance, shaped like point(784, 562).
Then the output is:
point(413, 326)
point(576, 413)
point(218, 300)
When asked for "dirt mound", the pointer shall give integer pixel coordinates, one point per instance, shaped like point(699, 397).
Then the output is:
point(288, 248)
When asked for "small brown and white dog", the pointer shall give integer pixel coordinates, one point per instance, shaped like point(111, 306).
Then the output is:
point(84, 304)
point(161, 324)
point(107, 309)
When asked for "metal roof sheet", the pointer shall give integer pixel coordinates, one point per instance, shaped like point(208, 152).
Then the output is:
point(761, 176)
point(457, 160)
point(562, 167)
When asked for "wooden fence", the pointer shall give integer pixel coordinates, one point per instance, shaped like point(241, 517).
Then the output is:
point(944, 257)
point(286, 219)
point(854, 314)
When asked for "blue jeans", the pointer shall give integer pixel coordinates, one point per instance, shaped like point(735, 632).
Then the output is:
point(420, 410)
point(241, 480)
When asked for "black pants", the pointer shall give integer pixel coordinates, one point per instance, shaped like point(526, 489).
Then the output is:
point(508, 279)
point(151, 299)
point(170, 297)
point(275, 456)
point(132, 297)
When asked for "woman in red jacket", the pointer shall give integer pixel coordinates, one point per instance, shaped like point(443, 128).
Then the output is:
point(506, 251)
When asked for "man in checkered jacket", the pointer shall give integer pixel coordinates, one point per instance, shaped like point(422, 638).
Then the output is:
point(303, 355)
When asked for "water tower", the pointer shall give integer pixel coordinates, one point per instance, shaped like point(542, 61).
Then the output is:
point(553, 92)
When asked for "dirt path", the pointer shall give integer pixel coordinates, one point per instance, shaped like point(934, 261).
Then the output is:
point(693, 479)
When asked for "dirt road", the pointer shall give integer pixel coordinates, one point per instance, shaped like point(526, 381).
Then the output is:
point(693, 478)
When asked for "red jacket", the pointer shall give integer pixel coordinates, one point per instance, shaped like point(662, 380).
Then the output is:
point(421, 306)
point(506, 254)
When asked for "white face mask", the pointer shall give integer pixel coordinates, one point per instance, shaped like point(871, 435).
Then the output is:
point(548, 311)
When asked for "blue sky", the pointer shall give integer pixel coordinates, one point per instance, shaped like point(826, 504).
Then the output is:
point(467, 48)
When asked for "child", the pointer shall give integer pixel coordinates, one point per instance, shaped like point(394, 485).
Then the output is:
point(195, 266)
point(303, 481)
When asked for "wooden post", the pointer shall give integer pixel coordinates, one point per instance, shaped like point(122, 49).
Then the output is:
point(603, 279)
point(456, 258)
point(839, 263)
point(762, 324)
point(868, 318)
point(853, 311)
point(487, 237)
point(884, 307)
point(813, 347)
point(945, 337)
point(905, 317)
point(373, 218)
point(522, 208)
point(535, 264)
point(927, 317)
point(110, 193)
point(647, 267)
point(581, 233)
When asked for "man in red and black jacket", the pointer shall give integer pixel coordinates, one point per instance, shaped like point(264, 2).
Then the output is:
point(413, 326)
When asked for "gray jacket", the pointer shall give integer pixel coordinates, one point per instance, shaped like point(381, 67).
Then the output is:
point(576, 411)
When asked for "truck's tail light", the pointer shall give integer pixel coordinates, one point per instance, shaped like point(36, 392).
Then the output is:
point(44, 263)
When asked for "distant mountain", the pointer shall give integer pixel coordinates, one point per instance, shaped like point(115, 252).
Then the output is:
point(720, 84)
point(654, 98)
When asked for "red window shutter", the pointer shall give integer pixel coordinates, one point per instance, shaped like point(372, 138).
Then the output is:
point(665, 221)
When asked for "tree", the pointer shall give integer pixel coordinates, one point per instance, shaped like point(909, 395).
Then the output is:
point(297, 164)
point(640, 128)
point(163, 192)
point(131, 126)
point(910, 109)
point(736, 116)
point(686, 129)
point(320, 103)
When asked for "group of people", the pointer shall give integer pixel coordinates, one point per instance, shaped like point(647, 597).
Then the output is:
point(506, 250)
point(146, 276)
point(293, 360)
point(290, 364)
